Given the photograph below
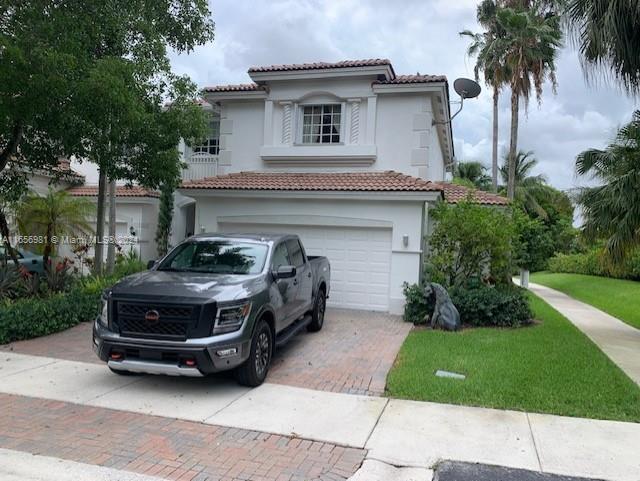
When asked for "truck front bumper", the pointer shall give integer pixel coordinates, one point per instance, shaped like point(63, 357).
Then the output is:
point(194, 357)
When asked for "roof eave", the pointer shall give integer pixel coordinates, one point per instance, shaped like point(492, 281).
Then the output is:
point(213, 97)
point(383, 195)
point(384, 71)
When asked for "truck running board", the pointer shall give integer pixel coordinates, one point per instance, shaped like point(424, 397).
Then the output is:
point(292, 330)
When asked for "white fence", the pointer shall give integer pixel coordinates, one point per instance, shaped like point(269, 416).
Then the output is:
point(200, 166)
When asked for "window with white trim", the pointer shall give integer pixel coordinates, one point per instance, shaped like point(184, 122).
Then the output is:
point(211, 145)
point(321, 124)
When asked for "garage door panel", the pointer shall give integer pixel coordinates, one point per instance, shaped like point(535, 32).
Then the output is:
point(360, 260)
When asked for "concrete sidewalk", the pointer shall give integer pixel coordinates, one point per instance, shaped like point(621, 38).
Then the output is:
point(401, 433)
point(619, 341)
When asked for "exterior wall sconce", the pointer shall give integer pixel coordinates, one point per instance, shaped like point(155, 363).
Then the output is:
point(405, 240)
point(203, 229)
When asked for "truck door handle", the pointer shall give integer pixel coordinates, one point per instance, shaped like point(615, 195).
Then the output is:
point(309, 275)
point(295, 282)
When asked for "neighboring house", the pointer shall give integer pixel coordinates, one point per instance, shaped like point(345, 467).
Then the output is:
point(62, 177)
point(348, 155)
point(136, 217)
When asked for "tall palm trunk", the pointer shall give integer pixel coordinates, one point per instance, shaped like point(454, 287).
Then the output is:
point(494, 154)
point(513, 146)
point(111, 248)
point(98, 248)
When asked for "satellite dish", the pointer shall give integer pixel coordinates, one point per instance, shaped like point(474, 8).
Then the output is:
point(466, 88)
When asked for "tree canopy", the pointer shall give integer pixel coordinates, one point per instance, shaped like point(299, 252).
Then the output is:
point(611, 210)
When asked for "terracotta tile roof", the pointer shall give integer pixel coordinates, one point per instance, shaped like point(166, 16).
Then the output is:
point(235, 88)
point(371, 62)
point(325, 181)
point(413, 79)
point(457, 193)
point(121, 191)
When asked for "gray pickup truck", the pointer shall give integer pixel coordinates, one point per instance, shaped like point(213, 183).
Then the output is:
point(213, 303)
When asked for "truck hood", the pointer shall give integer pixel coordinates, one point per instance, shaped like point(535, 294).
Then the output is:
point(189, 285)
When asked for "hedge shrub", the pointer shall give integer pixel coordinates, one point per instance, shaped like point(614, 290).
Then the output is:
point(479, 305)
point(499, 306)
point(27, 318)
point(595, 263)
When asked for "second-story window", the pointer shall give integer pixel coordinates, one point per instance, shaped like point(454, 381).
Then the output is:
point(321, 124)
point(211, 145)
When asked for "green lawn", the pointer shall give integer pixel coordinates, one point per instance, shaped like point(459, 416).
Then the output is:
point(550, 367)
point(618, 297)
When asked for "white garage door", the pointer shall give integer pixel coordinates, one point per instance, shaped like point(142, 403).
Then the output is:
point(360, 260)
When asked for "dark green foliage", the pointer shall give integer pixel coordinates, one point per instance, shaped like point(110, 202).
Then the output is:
point(608, 36)
point(611, 210)
point(478, 304)
point(9, 278)
point(596, 262)
point(472, 174)
point(416, 306)
point(47, 312)
point(34, 317)
point(535, 243)
point(127, 264)
point(59, 277)
point(486, 306)
point(470, 241)
point(165, 217)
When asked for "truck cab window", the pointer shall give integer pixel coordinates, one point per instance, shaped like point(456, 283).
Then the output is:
point(280, 256)
point(295, 251)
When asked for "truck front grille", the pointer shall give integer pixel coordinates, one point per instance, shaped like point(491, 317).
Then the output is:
point(173, 321)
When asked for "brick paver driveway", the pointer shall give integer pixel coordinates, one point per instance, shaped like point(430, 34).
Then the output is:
point(352, 354)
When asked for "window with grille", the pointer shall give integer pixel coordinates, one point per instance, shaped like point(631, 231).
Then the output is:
point(211, 145)
point(321, 124)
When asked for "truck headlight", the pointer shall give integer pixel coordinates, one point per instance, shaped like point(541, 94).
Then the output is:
point(103, 318)
point(230, 317)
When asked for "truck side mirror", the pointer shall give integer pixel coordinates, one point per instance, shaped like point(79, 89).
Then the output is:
point(151, 263)
point(285, 272)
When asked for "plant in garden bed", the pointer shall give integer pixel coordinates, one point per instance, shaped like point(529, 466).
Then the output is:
point(472, 250)
point(39, 306)
point(470, 241)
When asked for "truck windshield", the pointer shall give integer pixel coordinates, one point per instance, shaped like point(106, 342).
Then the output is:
point(219, 257)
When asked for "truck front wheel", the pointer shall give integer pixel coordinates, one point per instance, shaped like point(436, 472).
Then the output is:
point(254, 371)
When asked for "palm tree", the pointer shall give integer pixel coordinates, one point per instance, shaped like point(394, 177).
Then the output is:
point(529, 43)
point(608, 36)
point(611, 210)
point(489, 62)
point(473, 174)
point(55, 215)
point(529, 189)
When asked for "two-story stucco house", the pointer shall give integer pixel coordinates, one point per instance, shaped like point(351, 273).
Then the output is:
point(348, 155)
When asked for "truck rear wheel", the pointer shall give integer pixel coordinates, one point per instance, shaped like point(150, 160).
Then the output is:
point(254, 371)
point(317, 316)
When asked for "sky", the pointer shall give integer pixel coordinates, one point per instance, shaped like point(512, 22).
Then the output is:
point(417, 36)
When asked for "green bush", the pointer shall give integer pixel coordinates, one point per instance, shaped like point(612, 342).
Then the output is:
point(471, 241)
point(34, 317)
point(478, 305)
point(416, 306)
point(127, 264)
point(499, 306)
point(596, 263)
